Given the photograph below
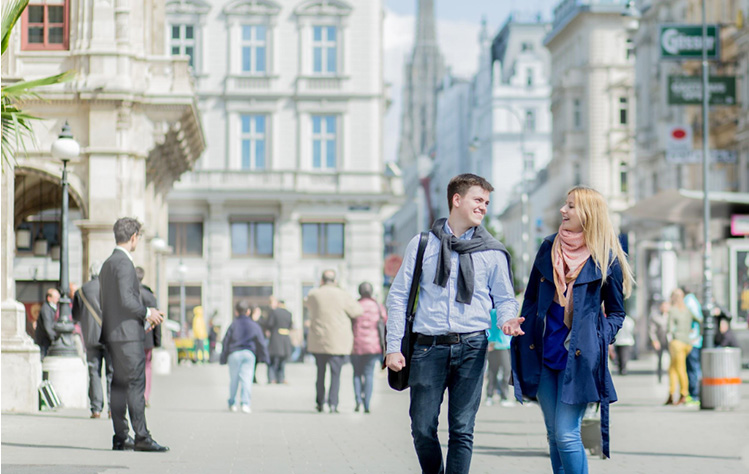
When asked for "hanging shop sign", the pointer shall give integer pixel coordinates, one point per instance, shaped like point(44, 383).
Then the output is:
point(685, 41)
point(687, 90)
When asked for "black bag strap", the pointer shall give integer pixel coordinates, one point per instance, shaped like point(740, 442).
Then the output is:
point(411, 308)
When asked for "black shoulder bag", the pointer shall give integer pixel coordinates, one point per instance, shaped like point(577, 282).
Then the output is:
point(399, 380)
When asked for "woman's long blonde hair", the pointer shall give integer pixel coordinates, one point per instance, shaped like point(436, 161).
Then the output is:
point(600, 236)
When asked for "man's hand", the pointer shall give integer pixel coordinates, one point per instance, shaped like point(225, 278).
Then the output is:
point(155, 317)
point(395, 361)
point(656, 345)
point(512, 327)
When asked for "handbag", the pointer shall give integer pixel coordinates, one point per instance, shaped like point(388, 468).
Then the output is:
point(399, 380)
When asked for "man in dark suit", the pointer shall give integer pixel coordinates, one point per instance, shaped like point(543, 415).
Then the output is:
point(153, 337)
point(125, 320)
point(45, 331)
point(87, 312)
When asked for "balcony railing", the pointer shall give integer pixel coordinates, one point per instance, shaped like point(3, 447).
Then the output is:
point(320, 84)
point(294, 181)
point(241, 84)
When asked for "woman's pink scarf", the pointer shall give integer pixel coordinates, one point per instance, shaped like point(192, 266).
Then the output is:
point(568, 256)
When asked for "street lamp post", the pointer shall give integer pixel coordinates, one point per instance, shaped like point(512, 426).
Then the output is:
point(182, 271)
point(65, 148)
point(707, 304)
point(159, 246)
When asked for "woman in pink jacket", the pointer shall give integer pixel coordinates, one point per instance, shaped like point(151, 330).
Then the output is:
point(367, 346)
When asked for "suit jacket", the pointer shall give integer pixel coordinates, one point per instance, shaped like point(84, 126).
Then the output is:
point(45, 331)
point(331, 310)
point(153, 337)
point(123, 311)
point(89, 326)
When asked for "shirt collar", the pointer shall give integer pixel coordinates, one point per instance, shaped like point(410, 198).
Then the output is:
point(467, 235)
point(126, 252)
point(54, 306)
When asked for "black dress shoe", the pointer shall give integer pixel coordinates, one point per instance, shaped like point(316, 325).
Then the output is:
point(319, 408)
point(151, 446)
point(119, 445)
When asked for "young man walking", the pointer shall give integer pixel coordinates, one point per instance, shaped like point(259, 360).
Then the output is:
point(465, 273)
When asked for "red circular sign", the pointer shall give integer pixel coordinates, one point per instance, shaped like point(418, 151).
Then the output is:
point(679, 133)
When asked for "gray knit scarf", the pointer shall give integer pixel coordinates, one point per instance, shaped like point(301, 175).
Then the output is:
point(482, 240)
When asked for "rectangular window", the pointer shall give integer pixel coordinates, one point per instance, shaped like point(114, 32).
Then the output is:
point(182, 42)
point(186, 238)
point(253, 142)
point(529, 77)
point(252, 238)
point(577, 114)
point(324, 49)
point(193, 298)
point(258, 295)
point(530, 120)
point(623, 178)
point(322, 240)
point(254, 49)
point(45, 26)
point(623, 110)
point(324, 142)
point(630, 49)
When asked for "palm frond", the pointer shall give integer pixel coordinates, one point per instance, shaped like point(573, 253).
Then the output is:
point(13, 90)
point(12, 12)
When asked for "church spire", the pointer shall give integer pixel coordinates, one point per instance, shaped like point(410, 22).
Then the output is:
point(425, 25)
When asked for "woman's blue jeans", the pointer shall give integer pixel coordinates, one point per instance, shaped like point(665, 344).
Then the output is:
point(563, 423)
point(364, 365)
point(241, 369)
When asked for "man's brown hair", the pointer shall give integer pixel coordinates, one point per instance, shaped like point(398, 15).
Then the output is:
point(462, 183)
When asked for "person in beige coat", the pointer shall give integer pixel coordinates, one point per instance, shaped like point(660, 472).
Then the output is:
point(330, 338)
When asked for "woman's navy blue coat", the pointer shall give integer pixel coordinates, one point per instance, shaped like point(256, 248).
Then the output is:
point(586, 377)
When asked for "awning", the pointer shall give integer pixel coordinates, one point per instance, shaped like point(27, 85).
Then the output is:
point(683, 206)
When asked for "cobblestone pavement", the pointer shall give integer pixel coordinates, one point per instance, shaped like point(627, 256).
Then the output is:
point(284, 434)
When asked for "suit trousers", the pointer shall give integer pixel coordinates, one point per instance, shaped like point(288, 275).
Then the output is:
point(128, 388)
point(336, 363)
point(96, 357)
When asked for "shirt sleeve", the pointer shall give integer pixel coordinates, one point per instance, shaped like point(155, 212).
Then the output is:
point(398, 298)
point(502, 291)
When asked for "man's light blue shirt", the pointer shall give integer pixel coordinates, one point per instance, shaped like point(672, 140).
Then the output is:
point(437, 311)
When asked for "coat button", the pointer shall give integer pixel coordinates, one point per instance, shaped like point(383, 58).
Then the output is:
point(577, 353)
point(543, 279)
point(532, 347)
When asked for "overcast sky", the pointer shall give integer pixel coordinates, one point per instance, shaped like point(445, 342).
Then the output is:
point(458, 25)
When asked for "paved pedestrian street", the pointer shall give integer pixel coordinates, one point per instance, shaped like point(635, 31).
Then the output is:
point(284, 434)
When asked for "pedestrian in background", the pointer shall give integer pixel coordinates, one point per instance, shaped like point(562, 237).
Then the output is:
point(559, 350)
point(45, 324)
point(724, 337)
point(679, 328)
point(278, 325)
point(658, 332)
point(87, 312)
point(367, 349)
point(625, 341)
point(465, 273)
point(244, 343)
point(694, 362)
point(153, 337)
point(331, 339)
point(498, 358)
point(199, 333)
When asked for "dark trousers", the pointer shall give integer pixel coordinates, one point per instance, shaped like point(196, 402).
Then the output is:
point(694, 372)
point(496, 360)
point(128, 388)
point(277, 369)
point(336, 363)
point(43, 352)
point(457, 368)
point(622, 357)
point(96, 357)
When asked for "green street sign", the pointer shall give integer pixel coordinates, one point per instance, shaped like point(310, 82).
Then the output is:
point(685, 41)
point(687, 90)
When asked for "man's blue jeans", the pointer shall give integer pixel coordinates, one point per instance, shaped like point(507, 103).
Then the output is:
point(563, 423)
point(459, 369)
point(241, 369)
